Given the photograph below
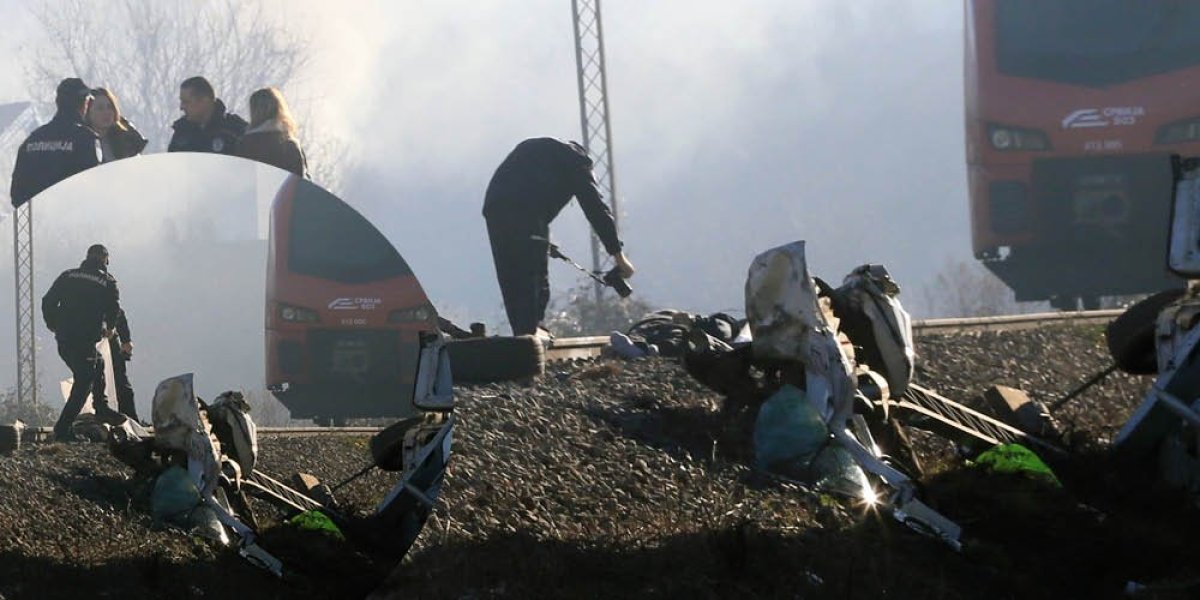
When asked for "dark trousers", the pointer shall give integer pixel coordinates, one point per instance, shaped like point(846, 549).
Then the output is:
point(125, 403)
point(85, 362)
point(522, 271)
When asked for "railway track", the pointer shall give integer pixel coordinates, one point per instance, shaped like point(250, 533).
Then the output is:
point(1013, 322)
point(44, 434)
point(586, 348)
point(582, 348)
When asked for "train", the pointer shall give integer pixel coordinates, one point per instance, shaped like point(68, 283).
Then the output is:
point(1073, 109)
point(346, 318)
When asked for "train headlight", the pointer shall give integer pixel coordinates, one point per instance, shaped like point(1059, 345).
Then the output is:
point(1006, 138)
point(1001, 139)
point(1178, 132)
point(419, 314)
point(295, 314)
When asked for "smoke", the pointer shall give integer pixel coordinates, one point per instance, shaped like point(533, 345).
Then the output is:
point(736, 127)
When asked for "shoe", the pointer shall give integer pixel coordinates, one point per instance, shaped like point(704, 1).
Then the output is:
point(64, 435)
point(109, 416)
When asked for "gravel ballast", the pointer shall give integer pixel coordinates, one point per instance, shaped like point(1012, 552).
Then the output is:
point(614, 479)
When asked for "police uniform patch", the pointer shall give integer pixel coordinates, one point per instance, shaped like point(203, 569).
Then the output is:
point(218, 144)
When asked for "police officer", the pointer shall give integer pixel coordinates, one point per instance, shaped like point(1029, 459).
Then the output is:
point(59, 149)
point(80, 308)
point(528, 190)
point(205, 126)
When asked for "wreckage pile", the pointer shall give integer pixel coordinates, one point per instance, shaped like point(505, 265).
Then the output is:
point(623, 479)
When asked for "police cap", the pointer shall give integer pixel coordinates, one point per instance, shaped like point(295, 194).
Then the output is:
point(72, 87)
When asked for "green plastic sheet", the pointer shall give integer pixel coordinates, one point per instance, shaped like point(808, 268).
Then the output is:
point(1015, 458)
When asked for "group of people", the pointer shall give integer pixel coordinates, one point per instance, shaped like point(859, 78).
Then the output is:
point(83, 307)
point(88, 129)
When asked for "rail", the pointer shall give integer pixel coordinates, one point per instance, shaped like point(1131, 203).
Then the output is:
point(582, 348)
point(45, 434)
point(1013, 322)
point(585, 348)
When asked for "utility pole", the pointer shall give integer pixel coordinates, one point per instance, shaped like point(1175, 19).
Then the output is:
point(26, 340)
point(593, 109)
point(17, 120)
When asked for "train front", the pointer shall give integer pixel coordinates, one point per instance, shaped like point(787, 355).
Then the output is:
point(1073, 109)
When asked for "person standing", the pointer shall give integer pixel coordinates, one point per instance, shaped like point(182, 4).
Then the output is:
point(118, 138)
point(271, 138)
point(205, 125)
point(81, 307)
point(59, 149)
point(533, 184)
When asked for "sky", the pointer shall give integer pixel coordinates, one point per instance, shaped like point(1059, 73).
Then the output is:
point(737, 126)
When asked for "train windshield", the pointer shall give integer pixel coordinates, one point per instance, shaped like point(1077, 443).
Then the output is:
point(330, 240)
point(1096, 42)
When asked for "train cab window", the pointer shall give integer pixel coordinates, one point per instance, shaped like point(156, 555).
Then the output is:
point(1096, 42)
point(330, 240)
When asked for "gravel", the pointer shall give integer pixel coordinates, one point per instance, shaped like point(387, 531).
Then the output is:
point(613, 479)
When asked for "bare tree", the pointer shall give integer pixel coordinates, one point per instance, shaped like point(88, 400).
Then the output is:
point(580, 313)
point(142, 50)
point(968, 289)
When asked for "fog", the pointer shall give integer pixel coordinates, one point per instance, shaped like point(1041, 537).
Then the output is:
point(736, 127)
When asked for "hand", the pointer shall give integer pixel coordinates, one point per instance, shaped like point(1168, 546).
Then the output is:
point(127, 348)
point(626, 267)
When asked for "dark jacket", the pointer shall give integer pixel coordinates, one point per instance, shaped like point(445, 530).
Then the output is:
point(122, 326)
point(268, 144)
point(220, 135)
point(538, 179)
point(52, 153)
point(81, 303)
point(122, 143)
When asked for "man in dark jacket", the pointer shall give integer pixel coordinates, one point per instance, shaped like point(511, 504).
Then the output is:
point(59, 149)
point(80, 308)
point(205, 126)
point(526, 193)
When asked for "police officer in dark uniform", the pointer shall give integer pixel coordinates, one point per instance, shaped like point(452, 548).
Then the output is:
point(59, 149)
point(205, 126)
point(526, 193)
point(80, 308)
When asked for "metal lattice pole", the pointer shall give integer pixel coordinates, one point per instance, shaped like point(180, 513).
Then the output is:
point(26, 349)
point(593, 107)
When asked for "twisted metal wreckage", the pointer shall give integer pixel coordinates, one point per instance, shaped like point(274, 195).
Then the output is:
point(1161, 335)
point(850, 348)
point(795, 333)
point(216, 446)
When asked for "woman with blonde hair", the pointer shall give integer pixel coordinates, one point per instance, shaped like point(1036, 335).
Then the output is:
point(271, 138)
point(118, 138)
